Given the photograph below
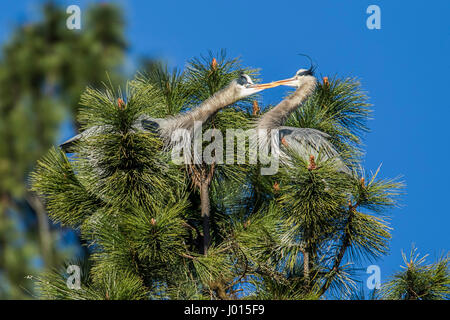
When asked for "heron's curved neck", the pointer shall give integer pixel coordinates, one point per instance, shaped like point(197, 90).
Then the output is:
point(276, 117)
point(207, 109)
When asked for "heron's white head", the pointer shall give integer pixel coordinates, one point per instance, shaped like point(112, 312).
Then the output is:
point(245, 86)
point(301, 76)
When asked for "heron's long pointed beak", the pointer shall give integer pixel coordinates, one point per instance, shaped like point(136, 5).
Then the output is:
point(292, 82)
point(263, 86)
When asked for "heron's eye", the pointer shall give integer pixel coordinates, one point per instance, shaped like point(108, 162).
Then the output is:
point(243, 80)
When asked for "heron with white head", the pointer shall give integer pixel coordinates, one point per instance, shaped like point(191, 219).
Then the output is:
point(307, 142)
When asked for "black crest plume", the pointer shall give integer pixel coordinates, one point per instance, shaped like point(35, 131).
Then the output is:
point(312, 67)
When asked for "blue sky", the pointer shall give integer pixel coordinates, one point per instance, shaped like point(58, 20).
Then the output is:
point(404, 67)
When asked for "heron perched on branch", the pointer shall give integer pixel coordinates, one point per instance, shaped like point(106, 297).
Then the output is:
point(307, 142)
point(235, 91)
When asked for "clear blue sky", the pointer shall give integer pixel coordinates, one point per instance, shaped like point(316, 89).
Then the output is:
point(404, 67)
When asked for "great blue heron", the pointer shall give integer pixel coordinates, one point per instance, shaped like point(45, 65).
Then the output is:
point(236, 90)
point(307, 142)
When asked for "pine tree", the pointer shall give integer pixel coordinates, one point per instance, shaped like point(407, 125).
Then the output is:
point(164, 231)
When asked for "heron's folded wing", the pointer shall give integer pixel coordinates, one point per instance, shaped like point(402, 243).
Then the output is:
point(143, 123)
point(306, 139)
point(68, 146)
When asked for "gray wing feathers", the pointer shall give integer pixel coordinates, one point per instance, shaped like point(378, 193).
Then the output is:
point(143, 123)
point(307, 141)
point(68, 145)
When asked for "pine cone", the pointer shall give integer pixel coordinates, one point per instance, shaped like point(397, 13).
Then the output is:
point(255, 108)
point(153, 221)
point(121, 104)
point(325, 81)
point(214, 64)
point(276, 186)
point(312, 163)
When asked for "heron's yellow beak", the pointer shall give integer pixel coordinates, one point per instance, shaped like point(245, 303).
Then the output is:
point(263, 86)
point(286, 82)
